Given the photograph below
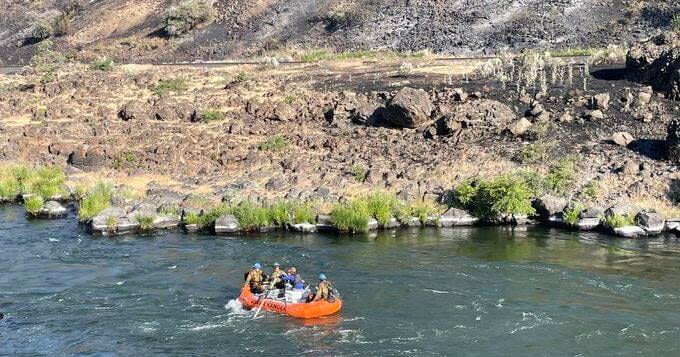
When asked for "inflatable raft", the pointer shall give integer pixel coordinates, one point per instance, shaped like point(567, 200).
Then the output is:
point(300, 310)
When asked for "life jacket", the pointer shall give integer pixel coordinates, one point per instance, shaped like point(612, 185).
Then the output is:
point(255, 276)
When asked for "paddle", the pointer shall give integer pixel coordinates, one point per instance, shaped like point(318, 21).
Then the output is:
point(264, 296)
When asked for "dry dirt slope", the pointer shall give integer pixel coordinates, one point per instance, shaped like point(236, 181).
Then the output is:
point(128, 29)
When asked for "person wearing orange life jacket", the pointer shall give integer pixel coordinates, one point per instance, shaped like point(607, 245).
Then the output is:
point(254, 279)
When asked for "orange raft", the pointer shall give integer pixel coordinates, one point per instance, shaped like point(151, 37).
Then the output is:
point(300, 310)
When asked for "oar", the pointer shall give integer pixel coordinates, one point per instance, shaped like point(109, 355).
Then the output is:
point(264, 296)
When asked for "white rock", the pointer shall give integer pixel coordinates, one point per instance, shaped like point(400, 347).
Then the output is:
point(630, 231)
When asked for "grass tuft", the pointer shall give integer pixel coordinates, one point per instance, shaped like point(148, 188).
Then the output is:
point(176, 85)
point(95, 200)
point(571, 214)
point(351, 217)
point(34, 205)
point(274, 143)
point(618, 221)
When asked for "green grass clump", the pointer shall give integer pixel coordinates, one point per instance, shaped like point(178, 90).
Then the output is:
point(111, 223)
point(303, 213)
point(145, 222)
point(359, 172)
point(675, 22)
point(504, 194)
point(210, 115)
point(381, 205)
point(274, 143)
point(102, 64)
point(618, 221)
point(562, 177)
point(9, 186)
point(95, 201)
point(279, 213)
point(250, 216)
point(571, 214)
point(591, 190)
point(241, 76)
point(34, 204)
point(47, 182)
point(176, 85)
point(351, 217)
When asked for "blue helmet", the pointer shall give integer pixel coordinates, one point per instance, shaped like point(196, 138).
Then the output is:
point(277, 264)
point(257, 266)
point(322, 276)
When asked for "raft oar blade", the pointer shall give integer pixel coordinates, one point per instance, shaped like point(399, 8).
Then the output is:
point(264, 296)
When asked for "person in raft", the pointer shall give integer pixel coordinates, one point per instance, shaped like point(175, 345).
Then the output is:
point(254, 278)
point(294, 279)
point(324, 291)
point(277, 277)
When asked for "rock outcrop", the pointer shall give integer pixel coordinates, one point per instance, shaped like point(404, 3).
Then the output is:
point(409, 108)
point(657, 63)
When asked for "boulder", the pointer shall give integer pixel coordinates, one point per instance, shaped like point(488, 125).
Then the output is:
point(673, 141)
point(459, 95)
point(409, 108)
point(373, 224)
point(622, 210)
point(456, 217)
point(284, 112)
point(656, 62)
point(304, 228)
point(166, 221)
point(622, 138)
point(594, 115)
point(629, 232)
point(591, 212)
point(652, 223)
point(88, 158)
point(113, 220)
point(548, 205)
point(324, 223)
point(599, 101)
point(588, 224)
point(226, 224)
point(673, 224)
point(53, 209)
point(134, 110)
point(520, 126)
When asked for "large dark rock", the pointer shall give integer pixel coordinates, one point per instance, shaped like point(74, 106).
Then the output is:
point(657, 62)
point(652, 223)
point(673, 141)
point(88, 158)
point(134, 110)
point(409, 108)
point(548, 205)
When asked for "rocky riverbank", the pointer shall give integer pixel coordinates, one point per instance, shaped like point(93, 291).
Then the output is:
point(329, 133)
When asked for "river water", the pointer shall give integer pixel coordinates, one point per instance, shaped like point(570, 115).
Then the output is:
point(477, 292)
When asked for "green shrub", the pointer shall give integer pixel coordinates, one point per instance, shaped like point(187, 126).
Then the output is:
point(102, 64)
point(534, 181)
point(34, 204)
point(242, 76)
point(208, 116)
point(618, 221)
point(536, 153)
point(45, 60)
point(289, 99)
point(359, 172)
point(303, 213)
point(41, 29)
point(177, 85)
point(95, 201)
point(504, 194)
point(571, 214)
point(61, 25)
point(351, 217)
point(188, 15)
point(250, 216)
point(591, 190)
point(381, 206)
point(561, 177)
point(423, 210)
point(145, 222)
point(193, 218)
point(675, 22)
point(274, 143)
point(464, 193)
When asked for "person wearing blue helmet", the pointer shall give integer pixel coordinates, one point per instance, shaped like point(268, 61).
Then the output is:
point(323, 290)
point(255, 278)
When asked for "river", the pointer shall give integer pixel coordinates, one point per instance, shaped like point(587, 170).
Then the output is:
point(477, 292)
